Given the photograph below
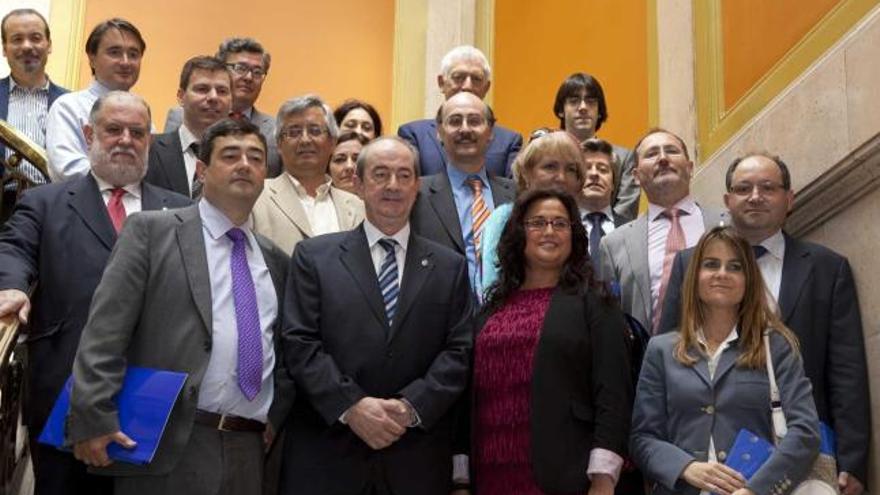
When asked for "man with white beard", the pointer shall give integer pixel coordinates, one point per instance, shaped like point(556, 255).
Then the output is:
point(61, 235)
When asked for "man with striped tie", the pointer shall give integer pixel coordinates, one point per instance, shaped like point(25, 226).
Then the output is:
point(453, 205)
point(377, 333)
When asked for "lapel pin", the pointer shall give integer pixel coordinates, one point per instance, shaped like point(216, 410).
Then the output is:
point(424, 261)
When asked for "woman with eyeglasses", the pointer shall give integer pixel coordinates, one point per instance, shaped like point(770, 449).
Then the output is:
point(551, 387)
point(700, 385)
point(343, 161)
point(551, 159)
point(360, 117)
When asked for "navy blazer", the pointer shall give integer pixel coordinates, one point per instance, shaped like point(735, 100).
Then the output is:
point(60, 235)
point(54, 92)
point(422, 134)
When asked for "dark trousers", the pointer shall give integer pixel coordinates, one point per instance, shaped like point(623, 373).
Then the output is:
point(59, 473)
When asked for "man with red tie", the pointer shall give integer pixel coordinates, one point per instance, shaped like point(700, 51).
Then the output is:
point(59, 237)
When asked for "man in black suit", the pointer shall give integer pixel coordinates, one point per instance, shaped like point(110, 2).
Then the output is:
point(377, 334)
point(448, 206)
point(595, 200)
point(60, 235)
point(816, 297)
point(205, 94)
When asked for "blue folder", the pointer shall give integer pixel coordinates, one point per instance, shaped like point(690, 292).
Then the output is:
point(749, 451)
point(144, 405)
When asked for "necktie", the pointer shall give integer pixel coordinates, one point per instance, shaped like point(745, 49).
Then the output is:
point(116, 209)
point(759, 251)
point(674, 243)
point(196, 188)
point(247, 318)
point(479, 214)
point(388, 278)
point(595, 218)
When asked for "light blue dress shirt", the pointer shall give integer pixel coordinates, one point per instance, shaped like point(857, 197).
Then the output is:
point(464, 201)
point(65, 141)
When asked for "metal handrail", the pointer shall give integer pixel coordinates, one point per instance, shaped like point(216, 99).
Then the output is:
point(24, 149)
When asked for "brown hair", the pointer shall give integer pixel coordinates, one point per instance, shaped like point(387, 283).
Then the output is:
point(754, 315)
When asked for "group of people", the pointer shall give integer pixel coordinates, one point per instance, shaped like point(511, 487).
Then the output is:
point(444, 310)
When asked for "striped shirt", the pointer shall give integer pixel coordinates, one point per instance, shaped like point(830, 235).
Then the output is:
point(28, 109)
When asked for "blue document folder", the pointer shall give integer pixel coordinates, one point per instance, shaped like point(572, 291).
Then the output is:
point(144, 405)
point(749, 451)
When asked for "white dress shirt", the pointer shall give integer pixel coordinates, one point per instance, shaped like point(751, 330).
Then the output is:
point(320, 209)
point(131, 200)
point(691, 220)
point(771, 264)
point(187, 138)
point(607, 223)
point(219, 392)
point(65, 141)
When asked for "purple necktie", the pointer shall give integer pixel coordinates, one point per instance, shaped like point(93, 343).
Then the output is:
point(247, 318)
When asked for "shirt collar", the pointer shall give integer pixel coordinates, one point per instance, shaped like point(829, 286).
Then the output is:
point(103, 185)
point(458, 178)
point(320, 193)
point(374, 235)
point(187, 138)
point(687, 204)
point(13, 85)
point(775, 245)
point(97, 89)
point(733, 335)
point(217, 223)
point(607, 211)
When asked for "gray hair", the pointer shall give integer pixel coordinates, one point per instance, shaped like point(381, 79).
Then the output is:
point(120, 96)
point(367, 150)
point(238, 45)
point(464, 53)
point(299, 105)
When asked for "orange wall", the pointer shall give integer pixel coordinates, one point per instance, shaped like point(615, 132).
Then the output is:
point(338, 48)
point(758, 33)
point(539, 44)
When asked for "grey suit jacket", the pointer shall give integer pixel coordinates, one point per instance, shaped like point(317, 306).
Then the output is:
point(624, 262)
point(678, 407)
point(265, 122)
point(626, 197)
point(279, 215)
point(153, 309)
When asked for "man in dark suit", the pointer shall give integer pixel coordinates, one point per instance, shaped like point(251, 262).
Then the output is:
point(814, 289)
point(601, 181)
point(60, 237)
point(248, 63)
point(191, 290)
point(452, 206)
point(464, 68)
point(205, 95)
point(377, 333)
point(27, 93)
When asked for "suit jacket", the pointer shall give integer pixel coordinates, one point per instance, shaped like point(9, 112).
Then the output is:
point(166, 167)
point(153, 309)
point(422, 134)
point(265, 122)
point(818, 302)
point(435, 217)
point(279, 215)
point(581, 392)
point(340, 349)
point(626, 197)
point(60, 235)
point(54, 92)
point(678, 407)
point(624, 261)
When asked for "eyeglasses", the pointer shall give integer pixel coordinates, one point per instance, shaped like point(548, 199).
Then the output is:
point(297, 132)
point(744, 189)
point(382, 176)
point(575, 101)
point(457, 121)
point(459, 78)
point(242, 69)
point(539, 224)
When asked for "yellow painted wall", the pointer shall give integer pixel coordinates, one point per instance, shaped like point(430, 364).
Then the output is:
point(758, 33)
point(538, 44)
point(337, 48)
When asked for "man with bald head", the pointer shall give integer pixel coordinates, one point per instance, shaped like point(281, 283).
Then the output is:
point(59, 237)
point(453, 206)
point(463, 69)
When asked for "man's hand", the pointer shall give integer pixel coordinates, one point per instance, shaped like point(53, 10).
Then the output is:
point(93, 452)
point(369, 420)
point(601, 484)
point(849, 484)
point(399, 411)
point(713, 477)
point(15, 301)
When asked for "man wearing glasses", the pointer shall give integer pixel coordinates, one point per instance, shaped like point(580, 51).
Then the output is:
point(248, 63)
point(301, 202)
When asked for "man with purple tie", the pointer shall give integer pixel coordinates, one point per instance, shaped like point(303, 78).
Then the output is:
point(191, 290)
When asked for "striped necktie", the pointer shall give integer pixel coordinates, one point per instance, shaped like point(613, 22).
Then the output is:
point(195, 191)
point(479, 215)
point(388, 278)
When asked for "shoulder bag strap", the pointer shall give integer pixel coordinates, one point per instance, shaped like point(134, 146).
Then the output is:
point(776, 414)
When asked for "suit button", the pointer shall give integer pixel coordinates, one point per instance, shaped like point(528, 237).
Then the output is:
point(389, 354)
point(722, 456)
point(710, 409)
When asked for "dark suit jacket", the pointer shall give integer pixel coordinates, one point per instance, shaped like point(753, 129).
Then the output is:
point(166, 166)
point(434, 215)
point(422, 134)
point(340, 349)
point(818, 302)
point(153, 309)
point(60, 235)
point(54, 92)
point(581, 392)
